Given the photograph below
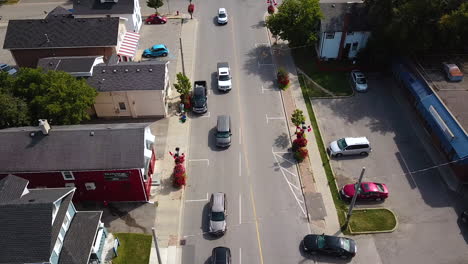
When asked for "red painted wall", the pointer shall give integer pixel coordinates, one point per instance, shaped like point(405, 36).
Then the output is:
point(131, 189)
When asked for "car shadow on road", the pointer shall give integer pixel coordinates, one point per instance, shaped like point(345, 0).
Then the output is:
point(205, 223)
point(319, 258)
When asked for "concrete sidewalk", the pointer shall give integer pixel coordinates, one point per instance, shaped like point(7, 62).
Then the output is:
point(323, 216)
point(168, 199)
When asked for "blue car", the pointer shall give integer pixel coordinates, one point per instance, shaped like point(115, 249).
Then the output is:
point(159, 50)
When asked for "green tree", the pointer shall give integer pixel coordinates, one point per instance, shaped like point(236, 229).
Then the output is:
point(454, 26)
point(296, 21)
point(183, 85)
point(155, 4)
point(54, 95)
point(297, 117)
point(13, 110)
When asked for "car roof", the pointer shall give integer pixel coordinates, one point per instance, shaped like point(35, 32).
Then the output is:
point(220, 254)
point(222, 10)
point(3, 65)
point(356, 140)
point(369, 187)
point(330, 241)
point(159, 46)
point(218, 202)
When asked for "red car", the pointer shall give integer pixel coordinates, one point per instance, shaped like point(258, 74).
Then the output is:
point(367, 191)
point(156, 19)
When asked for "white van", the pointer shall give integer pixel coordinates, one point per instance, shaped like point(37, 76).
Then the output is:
point(349, 146)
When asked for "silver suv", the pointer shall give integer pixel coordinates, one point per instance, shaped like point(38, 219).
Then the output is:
point(218, 213)
point(349, 146)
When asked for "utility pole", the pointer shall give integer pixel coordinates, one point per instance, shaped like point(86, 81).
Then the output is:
point(353, 201)
point(156, 245)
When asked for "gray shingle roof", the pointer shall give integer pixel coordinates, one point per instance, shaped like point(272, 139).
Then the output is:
point(80, 238)
point(334, 13)
point(126, 76)
point(27, 234)
point(112, 146)
point(12, 187)
point(61, 33)
point(58, 12)
point(76, 66)
point(95, 7)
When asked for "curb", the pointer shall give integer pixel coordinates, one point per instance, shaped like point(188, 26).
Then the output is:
point(376, 232)
point(289, 129)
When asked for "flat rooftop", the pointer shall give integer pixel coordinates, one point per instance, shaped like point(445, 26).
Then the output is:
point(453, 94)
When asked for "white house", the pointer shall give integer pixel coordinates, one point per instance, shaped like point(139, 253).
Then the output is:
point(127, 10)
point(344, 30)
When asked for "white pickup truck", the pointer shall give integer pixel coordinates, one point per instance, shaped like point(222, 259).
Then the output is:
point(224, 77)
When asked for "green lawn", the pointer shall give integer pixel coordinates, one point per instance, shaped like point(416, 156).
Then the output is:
point(336, 82)
point(371, 220)
point(312, 90)
point(8, 2)
point(134, 248)
point(339, 204)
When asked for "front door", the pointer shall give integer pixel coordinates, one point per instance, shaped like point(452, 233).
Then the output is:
point(346, 50)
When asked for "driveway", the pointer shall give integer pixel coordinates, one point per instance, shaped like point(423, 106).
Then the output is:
point(422, 202)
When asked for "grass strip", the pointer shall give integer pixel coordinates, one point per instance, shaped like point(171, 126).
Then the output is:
point(339, 204)
point(372, 220)
point(134, 248)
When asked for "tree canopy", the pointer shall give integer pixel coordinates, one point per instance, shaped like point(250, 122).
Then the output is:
point(54, 95)
point(401, 27)
point(296, 21)
point(155, 4)
point(183, 85)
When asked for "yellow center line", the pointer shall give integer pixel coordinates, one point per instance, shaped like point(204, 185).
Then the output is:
point(237, 77)
point(256, 224)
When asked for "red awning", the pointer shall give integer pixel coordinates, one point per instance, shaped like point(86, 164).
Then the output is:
point(129, 45)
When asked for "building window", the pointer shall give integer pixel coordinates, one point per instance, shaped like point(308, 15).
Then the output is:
point(122, 106)
point(66, 221)
point(149, 144)
point(350, 33)
point(330, 35)
point(355, 44)
point(58, 246)
point(68, 175)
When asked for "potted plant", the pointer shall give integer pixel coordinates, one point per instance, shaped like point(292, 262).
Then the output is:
point(283, 78)
point(301, 154)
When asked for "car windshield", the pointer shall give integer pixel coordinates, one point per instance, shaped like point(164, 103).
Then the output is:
point(217, 216)
point(223, 134)
point(357, 188)
point(224, 78)
point(6, 68)
point(222, 15)
point(380, 187)
point(321, 242)
point(346, 245)
point(361, 80)
point(342, 143)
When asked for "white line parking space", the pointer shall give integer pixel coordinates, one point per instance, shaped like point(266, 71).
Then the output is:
point(198, 200)
point(202, 160)
point(274, 118)
point(240, 209)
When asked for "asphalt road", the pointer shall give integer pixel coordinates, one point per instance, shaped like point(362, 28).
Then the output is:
point(266, 220)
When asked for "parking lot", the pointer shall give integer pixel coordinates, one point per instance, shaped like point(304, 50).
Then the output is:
point(423, 204)
point(167, 34)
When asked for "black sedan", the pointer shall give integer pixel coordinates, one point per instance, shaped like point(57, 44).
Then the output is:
point(329, 245)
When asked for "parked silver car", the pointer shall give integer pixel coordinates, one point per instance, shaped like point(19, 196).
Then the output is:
point(218, 213)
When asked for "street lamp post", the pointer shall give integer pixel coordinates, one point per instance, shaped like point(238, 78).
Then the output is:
point(353, 201)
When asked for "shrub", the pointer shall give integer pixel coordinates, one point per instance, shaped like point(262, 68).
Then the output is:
point(299, 143)
point(283, 78)
point(301, 154)
point(179, 180)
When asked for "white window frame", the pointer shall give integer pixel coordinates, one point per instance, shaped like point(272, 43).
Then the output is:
point(124, 106)
point(58, 246)
point(65, 177)
point(330, 35)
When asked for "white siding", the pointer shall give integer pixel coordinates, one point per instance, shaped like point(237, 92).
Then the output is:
point(357, 37)
point(330, 47)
